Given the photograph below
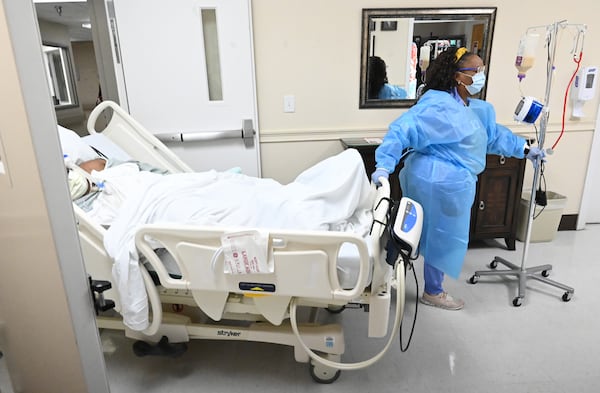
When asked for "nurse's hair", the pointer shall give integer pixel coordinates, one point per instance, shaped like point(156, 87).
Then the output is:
point(441, 72)
point(377, 76)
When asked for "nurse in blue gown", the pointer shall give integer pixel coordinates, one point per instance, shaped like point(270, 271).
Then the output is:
point(450, 134)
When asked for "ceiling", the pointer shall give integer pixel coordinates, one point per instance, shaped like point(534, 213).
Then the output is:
point(70, 14)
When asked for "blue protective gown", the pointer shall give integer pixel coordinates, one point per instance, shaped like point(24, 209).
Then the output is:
point(450, 142)
point(391, 92)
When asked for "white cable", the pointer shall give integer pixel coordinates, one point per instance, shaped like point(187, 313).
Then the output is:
point(213, 260)
point(400, 296)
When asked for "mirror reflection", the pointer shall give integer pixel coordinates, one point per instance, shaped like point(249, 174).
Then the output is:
point(399, 44)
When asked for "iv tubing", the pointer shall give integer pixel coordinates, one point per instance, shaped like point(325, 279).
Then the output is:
point(562, 130)
point(399, 281)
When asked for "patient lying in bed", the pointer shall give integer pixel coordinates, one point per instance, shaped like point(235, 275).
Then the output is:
point(333, 195)
point(101, 198)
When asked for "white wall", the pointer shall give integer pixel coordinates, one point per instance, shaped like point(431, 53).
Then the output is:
point(393, 48)
point(319, 63)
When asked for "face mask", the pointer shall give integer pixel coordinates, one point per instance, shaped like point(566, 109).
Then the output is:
point(78, 184)
point(478, 83)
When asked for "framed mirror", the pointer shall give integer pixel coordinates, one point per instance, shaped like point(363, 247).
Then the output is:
point(399, 43)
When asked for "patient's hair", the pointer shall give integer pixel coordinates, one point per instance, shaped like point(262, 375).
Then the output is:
point(441, 72)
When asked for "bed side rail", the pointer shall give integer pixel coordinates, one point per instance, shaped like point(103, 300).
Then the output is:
point(134, 138)
point(305, 266)
point(380, 295)
point(98, 265)
point(97, 262)
point(382, 271)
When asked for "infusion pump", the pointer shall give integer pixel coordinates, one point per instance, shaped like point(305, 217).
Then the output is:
point(584, 88)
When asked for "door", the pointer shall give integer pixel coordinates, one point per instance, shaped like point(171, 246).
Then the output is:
point(188, 77)
point(590, 208)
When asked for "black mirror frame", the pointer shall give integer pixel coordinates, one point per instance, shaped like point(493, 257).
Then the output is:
point(488, 14)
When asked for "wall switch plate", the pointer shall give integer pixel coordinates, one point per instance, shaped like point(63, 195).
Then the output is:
point(289, 104)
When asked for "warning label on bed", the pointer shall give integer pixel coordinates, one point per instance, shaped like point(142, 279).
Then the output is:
point(246, 252)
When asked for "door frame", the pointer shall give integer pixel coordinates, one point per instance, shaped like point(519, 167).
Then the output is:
point(587, 197)
point(26, 45)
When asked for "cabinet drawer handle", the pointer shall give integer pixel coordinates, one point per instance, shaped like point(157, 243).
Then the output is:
point(502, 160)
point(481, 205)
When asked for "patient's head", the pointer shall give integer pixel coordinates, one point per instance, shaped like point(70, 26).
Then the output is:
point(79, 185)
point(97, 164)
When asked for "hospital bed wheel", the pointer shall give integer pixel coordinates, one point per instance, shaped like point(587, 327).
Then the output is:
point(517, 301)
point(545, 273)
point(493, 264)
point(162, 348)
point(566, 296)
point(334, 309)
point(474, 279)
point(323, 374)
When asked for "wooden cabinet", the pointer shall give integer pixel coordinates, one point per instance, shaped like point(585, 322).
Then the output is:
point(494, 212)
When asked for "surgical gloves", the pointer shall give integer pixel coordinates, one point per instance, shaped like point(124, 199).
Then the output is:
point(535, 153)
point(379, 172)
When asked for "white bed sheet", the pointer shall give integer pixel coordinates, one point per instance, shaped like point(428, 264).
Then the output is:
point(333, 195)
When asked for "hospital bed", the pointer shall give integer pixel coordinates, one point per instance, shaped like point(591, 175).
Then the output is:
point(313, 271)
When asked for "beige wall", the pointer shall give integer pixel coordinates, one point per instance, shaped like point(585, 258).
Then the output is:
point(86, 72)
point(38, 339)
point(311, 49)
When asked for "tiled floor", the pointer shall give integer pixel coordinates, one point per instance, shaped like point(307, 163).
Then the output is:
point(546, 345)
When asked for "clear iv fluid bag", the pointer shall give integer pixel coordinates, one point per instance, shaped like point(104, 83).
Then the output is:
point(424, 56)
point(526, 54)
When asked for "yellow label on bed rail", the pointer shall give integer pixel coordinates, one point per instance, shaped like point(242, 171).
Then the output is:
point(259, 289)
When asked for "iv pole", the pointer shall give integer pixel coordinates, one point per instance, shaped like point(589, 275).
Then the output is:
point(541, 272)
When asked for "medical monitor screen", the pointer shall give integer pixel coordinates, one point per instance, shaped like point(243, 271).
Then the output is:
point(519, 106)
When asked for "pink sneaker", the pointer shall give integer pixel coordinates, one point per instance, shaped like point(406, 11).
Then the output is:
point(442, 300)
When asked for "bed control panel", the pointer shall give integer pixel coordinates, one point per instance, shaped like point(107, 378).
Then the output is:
point(407, 226)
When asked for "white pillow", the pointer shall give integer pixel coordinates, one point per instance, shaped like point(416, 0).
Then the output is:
point(106, 147)
point(72, 146)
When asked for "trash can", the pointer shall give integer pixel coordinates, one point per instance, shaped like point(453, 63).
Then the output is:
point(545, 225)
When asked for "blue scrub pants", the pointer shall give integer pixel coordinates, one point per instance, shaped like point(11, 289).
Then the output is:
point(433, 279)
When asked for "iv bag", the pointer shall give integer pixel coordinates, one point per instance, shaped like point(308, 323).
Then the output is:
point(424, 56)
point(526, 54)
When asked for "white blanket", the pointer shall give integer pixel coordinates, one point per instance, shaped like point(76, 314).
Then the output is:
point(333, 195)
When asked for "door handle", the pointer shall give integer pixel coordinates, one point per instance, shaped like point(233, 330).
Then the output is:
point(247, 133)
